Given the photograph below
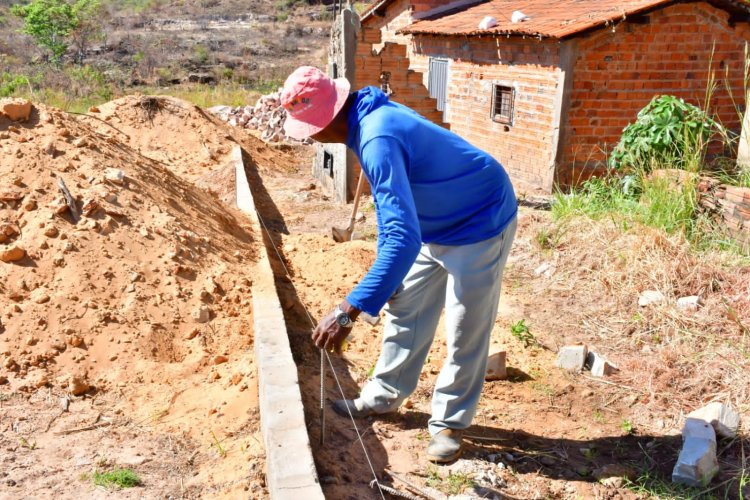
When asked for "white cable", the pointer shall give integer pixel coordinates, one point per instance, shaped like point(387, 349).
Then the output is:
point(330, 363)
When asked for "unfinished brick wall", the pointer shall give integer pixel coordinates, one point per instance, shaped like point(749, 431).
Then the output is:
point(525, 148)
point(396, 16)
point(617, 73)
point(379, 61)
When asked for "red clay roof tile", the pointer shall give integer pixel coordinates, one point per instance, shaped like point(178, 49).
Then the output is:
point(556, 19)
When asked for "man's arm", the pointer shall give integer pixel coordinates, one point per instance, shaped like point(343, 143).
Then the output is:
point(384, 162)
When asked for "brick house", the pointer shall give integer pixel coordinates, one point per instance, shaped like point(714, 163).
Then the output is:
point(549, 96)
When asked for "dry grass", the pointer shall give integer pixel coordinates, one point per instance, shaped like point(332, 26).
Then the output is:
point(680, 358)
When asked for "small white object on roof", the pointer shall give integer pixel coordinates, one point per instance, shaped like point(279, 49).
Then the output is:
point(487, 23)
point(518, 17)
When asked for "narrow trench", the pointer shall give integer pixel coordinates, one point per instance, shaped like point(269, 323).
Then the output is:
point(342, 467)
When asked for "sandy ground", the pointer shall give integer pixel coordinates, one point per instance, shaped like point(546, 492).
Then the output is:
point(126, 329)
point(542, 433)
point(125, 336)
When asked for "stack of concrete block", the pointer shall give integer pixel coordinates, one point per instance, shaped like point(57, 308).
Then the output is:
point(697, 463)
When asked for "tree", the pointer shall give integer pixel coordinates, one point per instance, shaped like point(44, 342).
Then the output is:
point(48, 22)
point(89, 18)
point(56, 23)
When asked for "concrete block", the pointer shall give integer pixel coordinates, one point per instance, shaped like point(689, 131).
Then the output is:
point(290, 468)
point(650, 297)
point(496, 366)
point(721, 416)
point(697, 428)
point(697, 463)
point(599, 365)
point(572, 357)
point(689, 304)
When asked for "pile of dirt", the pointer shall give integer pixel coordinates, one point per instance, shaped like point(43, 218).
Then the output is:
point(136, 291)
point(171, 131)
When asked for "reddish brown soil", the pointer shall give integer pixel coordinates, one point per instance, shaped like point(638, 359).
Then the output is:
point(109, 303)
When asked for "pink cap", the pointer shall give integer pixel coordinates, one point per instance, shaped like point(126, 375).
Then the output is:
point(312, 100)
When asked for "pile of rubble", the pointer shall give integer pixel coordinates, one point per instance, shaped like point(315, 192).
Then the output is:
point(267, 116)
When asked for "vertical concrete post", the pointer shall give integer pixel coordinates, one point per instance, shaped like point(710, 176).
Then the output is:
point(334, 166)
point(743, 151)
point(568, 55)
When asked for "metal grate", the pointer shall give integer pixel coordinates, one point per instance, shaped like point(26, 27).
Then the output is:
point(502, 104)
point(438, 81)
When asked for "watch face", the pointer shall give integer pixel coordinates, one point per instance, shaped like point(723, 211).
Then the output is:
point(343, 319)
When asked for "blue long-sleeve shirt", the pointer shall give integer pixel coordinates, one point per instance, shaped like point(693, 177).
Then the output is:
point(429, 186)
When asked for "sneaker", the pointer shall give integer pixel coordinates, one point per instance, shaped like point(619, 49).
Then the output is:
point(357, 408)
point(445, 446)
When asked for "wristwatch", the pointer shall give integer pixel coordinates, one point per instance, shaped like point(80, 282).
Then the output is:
point(342, 318)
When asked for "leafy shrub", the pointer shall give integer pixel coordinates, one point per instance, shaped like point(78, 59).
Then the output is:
point(11, 84)
point(667, 130)
point(201, 54)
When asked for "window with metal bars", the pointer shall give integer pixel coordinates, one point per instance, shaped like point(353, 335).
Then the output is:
point(502, 104)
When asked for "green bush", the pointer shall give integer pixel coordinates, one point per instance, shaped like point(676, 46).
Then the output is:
point(49, 22)
point(201, 54)
point(667, 131)
point(11, 84)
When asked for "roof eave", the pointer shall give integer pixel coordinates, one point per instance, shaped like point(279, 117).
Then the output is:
point(373, 9)
point(733, 4)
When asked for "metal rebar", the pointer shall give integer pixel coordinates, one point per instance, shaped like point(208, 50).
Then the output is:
point(322, 396)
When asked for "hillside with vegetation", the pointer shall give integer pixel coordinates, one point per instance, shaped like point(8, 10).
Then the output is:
point(77, 54)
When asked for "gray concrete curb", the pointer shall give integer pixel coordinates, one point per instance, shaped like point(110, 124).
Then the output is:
point(290, 469)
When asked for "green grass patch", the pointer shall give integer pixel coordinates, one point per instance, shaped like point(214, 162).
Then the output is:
point(638, 199)
point(651, 486)
point(520, 330)
point(117, 478)
point(453, 484)
point(205, 96)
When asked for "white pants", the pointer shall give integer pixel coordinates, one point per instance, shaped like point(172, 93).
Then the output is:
point(466, 281)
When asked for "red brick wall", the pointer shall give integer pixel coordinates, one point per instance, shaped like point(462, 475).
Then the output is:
point(373, 58)
point(526, 149)
point(529, 66)
point(617, 73)
point(397, 15)
point(425, 5)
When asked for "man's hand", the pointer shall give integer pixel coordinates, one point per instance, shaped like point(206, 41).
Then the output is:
point(329, 335)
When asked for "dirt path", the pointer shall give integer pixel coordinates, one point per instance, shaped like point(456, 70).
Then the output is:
point(543, 433)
